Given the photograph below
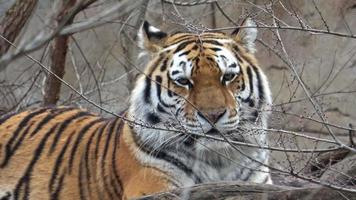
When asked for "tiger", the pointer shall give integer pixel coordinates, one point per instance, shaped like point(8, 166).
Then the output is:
point(200, 98)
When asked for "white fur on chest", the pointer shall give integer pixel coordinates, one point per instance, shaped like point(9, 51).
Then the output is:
point(232, 165)
point(211, 166)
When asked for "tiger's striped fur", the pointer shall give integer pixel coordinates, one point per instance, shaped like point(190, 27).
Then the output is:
point(195, 85)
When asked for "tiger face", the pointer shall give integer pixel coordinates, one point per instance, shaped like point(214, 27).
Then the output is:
point(206, 84)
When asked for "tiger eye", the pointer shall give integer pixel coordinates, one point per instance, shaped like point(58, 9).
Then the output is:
point(228, 77)
point(183, 81)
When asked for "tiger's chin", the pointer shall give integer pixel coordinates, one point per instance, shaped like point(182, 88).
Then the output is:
point(214, 140)
point(208, 145)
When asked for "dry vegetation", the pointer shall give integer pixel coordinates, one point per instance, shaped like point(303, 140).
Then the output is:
point(83, 53)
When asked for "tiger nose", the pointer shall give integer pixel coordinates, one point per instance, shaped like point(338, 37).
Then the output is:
point(213, 115)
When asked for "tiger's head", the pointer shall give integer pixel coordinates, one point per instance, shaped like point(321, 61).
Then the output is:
point(207, 84)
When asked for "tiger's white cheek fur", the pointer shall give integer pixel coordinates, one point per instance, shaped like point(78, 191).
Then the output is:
point(149, 104)
point(140, 111)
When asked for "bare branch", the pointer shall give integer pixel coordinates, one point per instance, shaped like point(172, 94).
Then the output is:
point(186, 3)
point(312, 31)
point(41, 38)
point(14, 21)
point(117, 11)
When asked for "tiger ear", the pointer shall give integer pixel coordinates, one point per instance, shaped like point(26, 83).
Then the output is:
point(246, 36)
point(151, 38)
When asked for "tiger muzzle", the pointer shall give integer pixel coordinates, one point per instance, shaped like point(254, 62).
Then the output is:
point(212, 116)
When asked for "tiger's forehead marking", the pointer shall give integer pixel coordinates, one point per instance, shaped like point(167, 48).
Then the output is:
point(207, 45)
point(181, 66)
point(176, 39)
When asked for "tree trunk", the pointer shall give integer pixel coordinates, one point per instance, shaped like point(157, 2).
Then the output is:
point(58, 53)
point(248, 191)
point(13, 22)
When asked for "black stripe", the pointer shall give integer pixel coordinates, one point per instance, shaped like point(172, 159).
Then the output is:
point(195, 47)
point(215, 49)
point(115, 180)
point(87, 148)
point(182, 46)
point(259, 84)
point(103, 159)
point(158, 85)
point(178, 111)
point(98, 139)
point(255, 115)
point(17, 138)
point(160, 154)
point(250, 77)
point(24, 182)
point(243, 86)
point(161, 109)
point(250, 102)
point(214, 42)
point(147, 91)
point(63, 126)
point(233, 65)
point(56, 189)
point(81, 134)
point(212, 60)
point(236, 48)
point(50, 115)
point(114, 155)
point(174, 72)
point(169, 92)
point(164, 65)
point(87, 160)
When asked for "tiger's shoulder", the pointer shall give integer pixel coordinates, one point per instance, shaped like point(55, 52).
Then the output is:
point(71, 153)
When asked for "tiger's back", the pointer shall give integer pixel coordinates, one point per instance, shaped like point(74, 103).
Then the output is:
point(41, 147)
